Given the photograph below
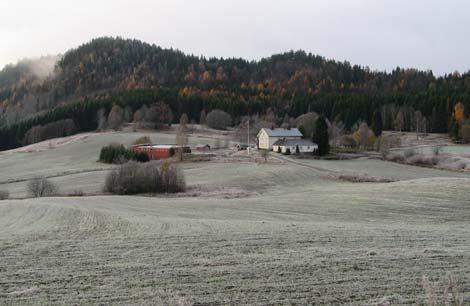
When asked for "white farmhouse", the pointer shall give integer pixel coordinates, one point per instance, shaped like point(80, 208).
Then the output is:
point(267, 137)
point(294, 146)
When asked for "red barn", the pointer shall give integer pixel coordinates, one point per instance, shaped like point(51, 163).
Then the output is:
point(159, 151)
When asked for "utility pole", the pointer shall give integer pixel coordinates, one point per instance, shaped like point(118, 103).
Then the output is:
point(248, 136)
point(417, 128)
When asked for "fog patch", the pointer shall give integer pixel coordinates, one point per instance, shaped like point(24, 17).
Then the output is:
point(42, 67)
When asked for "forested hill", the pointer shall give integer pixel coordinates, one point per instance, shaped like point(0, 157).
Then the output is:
point(290, 84)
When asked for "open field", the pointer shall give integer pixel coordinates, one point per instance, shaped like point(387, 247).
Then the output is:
point(265, 234)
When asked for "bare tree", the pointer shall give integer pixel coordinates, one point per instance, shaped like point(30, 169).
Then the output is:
point(218, 119)
point(306, 123)
point(41, 187)
point(4, 195)
point(115, 117)
point(127, 114)
point(137, 119)
point(55, 129)
point(383, 146)
point(181, 136)
point(270, 118)
point(286, 122)
point(265, 155)
point(400, 121)
point(142, 140)
point(202, 117)
point(241, 132)
point(158, 115)
point(364, 136)
point(336, 130)
point(101, 118)
point(152, 177)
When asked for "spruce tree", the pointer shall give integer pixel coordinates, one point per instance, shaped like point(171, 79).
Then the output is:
point(377, 125)
point(321, 136)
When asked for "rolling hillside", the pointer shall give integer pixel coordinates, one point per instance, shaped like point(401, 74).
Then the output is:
point(244, 232)
point(290, 83)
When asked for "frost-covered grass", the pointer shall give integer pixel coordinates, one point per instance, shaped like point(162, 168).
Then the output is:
point(296, 236)
point(73, 165)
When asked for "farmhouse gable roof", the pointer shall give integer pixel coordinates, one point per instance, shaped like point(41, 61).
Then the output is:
point(279, 132)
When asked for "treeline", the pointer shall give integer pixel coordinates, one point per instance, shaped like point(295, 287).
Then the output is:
point(404, 112)
point(83, 114)
point(130, 73)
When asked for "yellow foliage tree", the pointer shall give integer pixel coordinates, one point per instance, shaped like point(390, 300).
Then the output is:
point(364, 136)
point(459, 112)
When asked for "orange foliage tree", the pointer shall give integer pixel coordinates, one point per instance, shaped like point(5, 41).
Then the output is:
point(459, 112)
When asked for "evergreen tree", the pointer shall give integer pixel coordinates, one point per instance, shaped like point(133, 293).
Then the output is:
point(377, 123)
point(302, 130)
point(454, 130)
point(321, 136)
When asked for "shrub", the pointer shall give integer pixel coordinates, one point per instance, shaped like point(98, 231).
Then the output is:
point(140, 157)
point(115, 117)
point(77, 193)
point(287, 152)
point(153, 177)
point(395, 157)
point(420, 159)
point(118, 154)
point(437, 150)
point(41, 187)
point(454, 164)
point(364, 136)
point(218, 119)
point(4, 195)
point(465, 133)
point(51, 130)
point(142, 140)
point(264, 154)
point(383, 146)
point(409, 153)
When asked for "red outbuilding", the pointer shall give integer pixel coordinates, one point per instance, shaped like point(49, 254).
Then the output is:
point(159, 151)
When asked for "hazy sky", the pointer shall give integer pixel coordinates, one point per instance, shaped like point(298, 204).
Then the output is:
point(382, 34)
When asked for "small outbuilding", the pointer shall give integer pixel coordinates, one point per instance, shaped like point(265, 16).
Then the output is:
point(294, 146)
point(241, 146)
point(203, 147)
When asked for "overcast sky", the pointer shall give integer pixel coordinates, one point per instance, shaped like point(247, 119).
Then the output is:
point(381, 34)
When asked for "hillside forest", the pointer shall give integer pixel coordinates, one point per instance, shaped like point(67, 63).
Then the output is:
point(88, 87)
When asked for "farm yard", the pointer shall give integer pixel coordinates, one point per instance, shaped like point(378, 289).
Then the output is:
point(286, 231)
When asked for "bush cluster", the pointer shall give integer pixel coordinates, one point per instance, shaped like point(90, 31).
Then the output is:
point(41, 187)
point(143, 140)
point(4, 195)
point(218, 119)
point(152, 177)
point(118, 154)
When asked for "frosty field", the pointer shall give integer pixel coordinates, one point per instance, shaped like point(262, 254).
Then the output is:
point(271, 233)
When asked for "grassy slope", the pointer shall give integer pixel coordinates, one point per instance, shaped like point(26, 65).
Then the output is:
point(299, 238)
point(76, 158)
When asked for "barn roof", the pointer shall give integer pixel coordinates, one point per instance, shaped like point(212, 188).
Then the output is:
point(158, 146)
point(293, 132)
